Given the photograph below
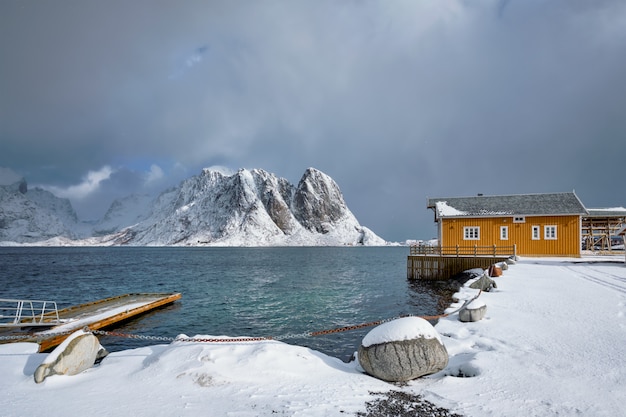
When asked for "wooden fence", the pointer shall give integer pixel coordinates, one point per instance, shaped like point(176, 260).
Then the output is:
point(475, 250)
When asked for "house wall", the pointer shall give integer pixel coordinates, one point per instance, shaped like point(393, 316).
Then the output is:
point(567, 242)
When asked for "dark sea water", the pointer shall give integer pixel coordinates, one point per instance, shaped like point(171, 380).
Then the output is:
point(228, 291)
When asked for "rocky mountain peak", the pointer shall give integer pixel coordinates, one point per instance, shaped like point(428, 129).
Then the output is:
point(318, 201)
point(247, 208)
point(32, 215)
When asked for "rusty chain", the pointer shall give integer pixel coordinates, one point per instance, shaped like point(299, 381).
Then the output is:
point(288, 336)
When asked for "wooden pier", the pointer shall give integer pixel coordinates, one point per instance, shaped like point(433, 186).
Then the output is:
point(97, 315)
point(440, 263)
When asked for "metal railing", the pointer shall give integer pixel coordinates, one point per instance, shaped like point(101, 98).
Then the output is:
point(457, 250)
point(26, 313)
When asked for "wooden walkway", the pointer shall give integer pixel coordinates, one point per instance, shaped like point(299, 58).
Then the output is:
point(100, 314)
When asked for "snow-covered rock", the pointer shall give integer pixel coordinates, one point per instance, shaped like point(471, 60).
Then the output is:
point(474, 311)
point(402, 350)
point(77, 353)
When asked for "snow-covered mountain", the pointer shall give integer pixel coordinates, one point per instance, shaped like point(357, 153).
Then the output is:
point(34, 215)
point(248, 208)
point(251, 208)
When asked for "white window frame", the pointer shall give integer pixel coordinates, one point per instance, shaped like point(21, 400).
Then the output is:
point(504, 232)
point(549, 232)
point(471, 232)
point(519, 219)
point(536, 235)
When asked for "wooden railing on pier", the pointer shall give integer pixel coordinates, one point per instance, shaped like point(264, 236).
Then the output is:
point(443, 262)
point(475, 250)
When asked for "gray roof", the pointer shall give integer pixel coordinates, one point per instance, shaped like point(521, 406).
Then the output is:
point(553, 204)
point(607, 212)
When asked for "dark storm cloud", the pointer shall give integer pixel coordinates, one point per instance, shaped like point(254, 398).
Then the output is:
point(397, 101)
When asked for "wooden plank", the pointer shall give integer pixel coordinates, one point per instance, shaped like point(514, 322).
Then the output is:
point(101, 314)
point(444, 267)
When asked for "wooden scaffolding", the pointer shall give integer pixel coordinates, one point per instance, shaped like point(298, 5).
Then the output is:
point(600, 229)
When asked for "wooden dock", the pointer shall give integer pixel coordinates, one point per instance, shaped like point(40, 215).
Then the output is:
point(100, 314)
point(437, 267)
point(440, 263)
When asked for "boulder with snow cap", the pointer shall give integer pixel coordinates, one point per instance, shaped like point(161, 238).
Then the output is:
point(474, 311)
point(484, 283)
point(77, 353)
point(402, 349)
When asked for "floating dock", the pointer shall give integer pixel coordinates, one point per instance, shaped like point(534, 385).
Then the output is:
point(97, 315)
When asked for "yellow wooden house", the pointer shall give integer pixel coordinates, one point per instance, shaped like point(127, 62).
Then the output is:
point(536, 224)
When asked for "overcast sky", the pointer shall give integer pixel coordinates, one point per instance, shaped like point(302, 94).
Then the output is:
point(396, 100)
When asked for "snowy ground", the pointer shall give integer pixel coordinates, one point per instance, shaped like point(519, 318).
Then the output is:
point(552, 343)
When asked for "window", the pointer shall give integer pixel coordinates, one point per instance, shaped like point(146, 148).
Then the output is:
point(471, 233)
point(504, 232)
point(520, 219)
point(549, 232)
point(536, 233)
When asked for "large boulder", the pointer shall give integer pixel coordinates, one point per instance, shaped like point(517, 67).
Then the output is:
point(402, 349)
point(77, 353)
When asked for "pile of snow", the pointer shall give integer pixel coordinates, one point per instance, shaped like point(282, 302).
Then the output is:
point(551, 343)
point(406, 328)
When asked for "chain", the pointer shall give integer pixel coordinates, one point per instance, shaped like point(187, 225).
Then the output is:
point(133, 336)
point(37, 336)
point(288, 336)
point(15, 337)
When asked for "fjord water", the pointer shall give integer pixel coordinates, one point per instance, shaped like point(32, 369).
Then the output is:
point(228, 291)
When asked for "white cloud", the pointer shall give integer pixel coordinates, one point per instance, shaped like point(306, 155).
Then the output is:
point(90, 184)
point(155, 174)
point(222, 170)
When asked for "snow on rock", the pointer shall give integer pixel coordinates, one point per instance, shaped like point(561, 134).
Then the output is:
point(474, 311)
point(477, 303)
point(406, 328)
point(402, 350)
point(74, 355)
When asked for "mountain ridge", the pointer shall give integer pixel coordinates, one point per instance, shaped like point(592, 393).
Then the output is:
point(248, 208)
